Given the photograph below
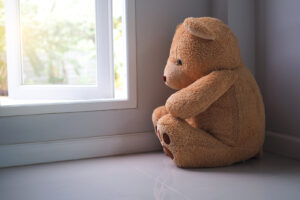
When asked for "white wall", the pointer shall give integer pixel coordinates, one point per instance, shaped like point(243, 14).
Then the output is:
point(279, 63)
point(219, 9)
point(241, 19)
point(278, 71)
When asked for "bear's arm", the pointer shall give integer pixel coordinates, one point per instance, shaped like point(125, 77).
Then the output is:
point(198, 96)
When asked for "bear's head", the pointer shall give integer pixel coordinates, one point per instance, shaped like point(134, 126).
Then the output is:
point(200, 46)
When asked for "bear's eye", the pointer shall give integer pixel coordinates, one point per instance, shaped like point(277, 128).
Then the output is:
point(179, 62)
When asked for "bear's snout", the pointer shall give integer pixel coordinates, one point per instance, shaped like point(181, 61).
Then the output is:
point(174, 77)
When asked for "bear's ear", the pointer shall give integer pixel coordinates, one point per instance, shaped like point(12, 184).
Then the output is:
point(197, 28)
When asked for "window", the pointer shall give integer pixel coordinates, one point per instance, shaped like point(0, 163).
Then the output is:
point(3, 71)
point(67, 50)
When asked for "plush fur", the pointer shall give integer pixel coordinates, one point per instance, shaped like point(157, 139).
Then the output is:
point(217, 117)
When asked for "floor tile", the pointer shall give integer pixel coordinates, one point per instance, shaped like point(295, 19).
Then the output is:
point(151, 176)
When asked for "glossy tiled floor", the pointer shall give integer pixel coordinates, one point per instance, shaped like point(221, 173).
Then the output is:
point(151, 176)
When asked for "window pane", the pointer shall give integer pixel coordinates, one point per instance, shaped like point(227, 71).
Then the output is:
point(58, 42)
point(119, 49)
point(3, 71)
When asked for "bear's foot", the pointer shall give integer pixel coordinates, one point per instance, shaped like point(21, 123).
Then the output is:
point(156, 115)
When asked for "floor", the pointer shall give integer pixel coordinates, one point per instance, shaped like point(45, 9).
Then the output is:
point(151, 176)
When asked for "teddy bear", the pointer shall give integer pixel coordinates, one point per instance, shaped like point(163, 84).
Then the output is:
point(217, 116)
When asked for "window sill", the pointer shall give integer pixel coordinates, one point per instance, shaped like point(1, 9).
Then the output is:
point(12, 107)
point(6, 101)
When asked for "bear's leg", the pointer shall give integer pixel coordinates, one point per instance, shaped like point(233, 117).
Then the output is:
point(192, 147)
point(157, 114)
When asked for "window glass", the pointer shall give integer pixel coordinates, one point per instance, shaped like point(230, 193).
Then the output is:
point(3, 71)
point(119, 45)
point(58, 42)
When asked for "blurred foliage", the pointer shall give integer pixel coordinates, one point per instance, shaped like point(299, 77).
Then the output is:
point(117, 26)
point(44, 50)
point(46, 42)
point(3, 72)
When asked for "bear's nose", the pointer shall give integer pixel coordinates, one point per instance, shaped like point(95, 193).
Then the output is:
point(164, 78)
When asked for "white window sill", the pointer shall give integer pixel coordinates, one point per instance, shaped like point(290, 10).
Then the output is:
point(6, 101)
point(13, 107)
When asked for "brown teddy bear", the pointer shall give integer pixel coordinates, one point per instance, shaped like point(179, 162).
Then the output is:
point(217, 117)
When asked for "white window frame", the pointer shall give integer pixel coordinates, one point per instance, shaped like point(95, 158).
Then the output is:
point(106, 100)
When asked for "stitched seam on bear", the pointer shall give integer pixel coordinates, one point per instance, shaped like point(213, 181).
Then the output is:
point(234, 119)
point(218, 139)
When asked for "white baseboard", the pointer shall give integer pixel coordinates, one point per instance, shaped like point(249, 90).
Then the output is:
point(50, 151)
point(60, 150)
point(286, 145)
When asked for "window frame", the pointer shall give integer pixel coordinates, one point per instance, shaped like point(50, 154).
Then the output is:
point(62, 106)
point(104, 87)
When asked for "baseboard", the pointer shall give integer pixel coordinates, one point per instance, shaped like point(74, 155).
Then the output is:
point(60, 150)
point(286, 145)
point(50, 151)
